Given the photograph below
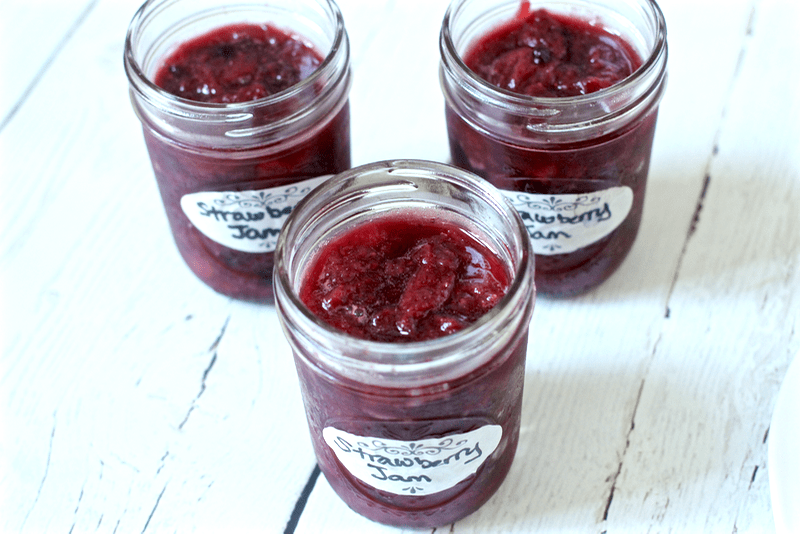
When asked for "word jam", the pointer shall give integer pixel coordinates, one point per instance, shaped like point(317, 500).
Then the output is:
point(245, 231)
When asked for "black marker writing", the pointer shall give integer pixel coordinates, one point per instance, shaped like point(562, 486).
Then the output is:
point(245, 232)
point(598, 214)
point(536, 234)
point(381, 475)
point(225, 216)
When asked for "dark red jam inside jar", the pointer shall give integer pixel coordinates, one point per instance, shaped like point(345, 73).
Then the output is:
point(406, 291)
point(555, 104)
point(244, 110)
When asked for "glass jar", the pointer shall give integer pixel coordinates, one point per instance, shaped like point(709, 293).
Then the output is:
point(574, 166)
point(421, 433)
point(229, 174)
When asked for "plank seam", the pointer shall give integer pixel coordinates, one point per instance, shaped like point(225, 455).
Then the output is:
point(213, 350)
point(46, 471)
point(47, 63)
point(737, 71)
point(613, 478)
point(300, 505)
point(153, 511)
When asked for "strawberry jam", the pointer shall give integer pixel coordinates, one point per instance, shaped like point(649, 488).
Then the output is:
point(405, 289)
point(548, 55)
point(397, 280)
point(237, 63)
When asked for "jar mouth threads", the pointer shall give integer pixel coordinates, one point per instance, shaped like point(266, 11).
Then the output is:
point(311, 101)
point(479, 101)
point(140, 64)
point(368, 192)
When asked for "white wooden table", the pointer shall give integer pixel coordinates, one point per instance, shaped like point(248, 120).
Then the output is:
point(134, 399)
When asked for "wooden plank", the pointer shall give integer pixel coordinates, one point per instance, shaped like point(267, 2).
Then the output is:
point(31, 36)
point(397, 108)
point(135, 399)
point(733, 324)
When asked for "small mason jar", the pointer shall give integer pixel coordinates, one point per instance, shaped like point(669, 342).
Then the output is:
point(229, 173)
point(418, 433)
point(574, 166)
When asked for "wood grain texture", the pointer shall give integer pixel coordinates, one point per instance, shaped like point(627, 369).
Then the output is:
point(30, 49)
point(134, 399)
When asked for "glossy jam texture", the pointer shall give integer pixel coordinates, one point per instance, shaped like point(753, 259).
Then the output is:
point(237, 63)
point(234, 64)
point(548, 55)
point(398, 280)
point(539, 53)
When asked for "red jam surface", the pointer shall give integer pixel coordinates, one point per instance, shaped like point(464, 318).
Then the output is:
point(548, 55)
point(397, 280)
point(234, 64)
point(543, 54)
point(237, 63)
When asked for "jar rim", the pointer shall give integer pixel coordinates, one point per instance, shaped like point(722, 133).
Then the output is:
point(234, 110)
point(527, 104)
point(401, 361)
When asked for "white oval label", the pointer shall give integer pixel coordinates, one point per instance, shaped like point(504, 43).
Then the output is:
point(248, 221)
point(420, 467)
point(560, 224)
